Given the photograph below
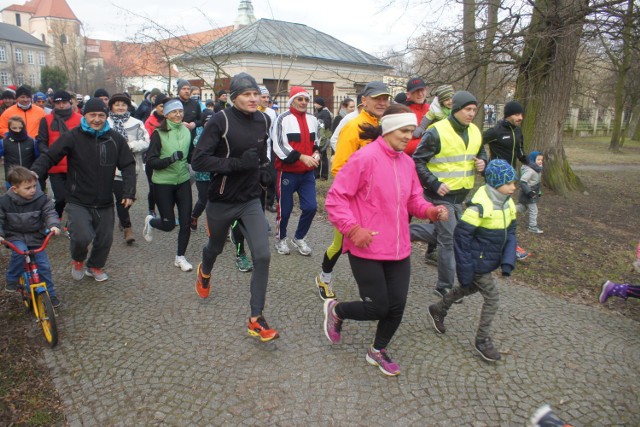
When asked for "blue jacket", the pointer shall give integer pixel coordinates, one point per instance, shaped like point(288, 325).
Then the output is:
point(485, 237)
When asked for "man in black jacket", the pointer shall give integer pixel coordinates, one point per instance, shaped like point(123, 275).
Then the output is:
point(192, 111)
point(93, 152)
point(233, 148)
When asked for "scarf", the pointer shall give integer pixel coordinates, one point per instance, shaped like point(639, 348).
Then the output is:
point(91, 131)
point(18, 136)
point(60, 118)
point(301, 116)
point(24, 107)
point(118, 123)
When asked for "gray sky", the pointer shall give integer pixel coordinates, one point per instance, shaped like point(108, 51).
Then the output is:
point(359, 23)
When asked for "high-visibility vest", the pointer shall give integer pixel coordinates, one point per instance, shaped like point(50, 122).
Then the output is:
point(455, 164)
point(487, 216)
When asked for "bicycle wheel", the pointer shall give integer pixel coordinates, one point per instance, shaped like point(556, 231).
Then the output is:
point(47, 319)
point(25, 292)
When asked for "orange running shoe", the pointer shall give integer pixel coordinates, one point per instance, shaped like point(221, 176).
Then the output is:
point(261, 330)
point(202, 283)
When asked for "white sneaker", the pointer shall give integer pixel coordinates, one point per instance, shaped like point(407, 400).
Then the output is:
point(282, 247)
point(182, 262)
point(147, 231)
point(302, 246)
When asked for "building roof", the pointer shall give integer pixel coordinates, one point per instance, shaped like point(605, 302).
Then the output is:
point(45, 8)
point(18, 35)
point(280, 38)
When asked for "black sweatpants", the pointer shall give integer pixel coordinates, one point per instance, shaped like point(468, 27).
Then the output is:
point(167, 196)
point(58, 185)
point(383, 287)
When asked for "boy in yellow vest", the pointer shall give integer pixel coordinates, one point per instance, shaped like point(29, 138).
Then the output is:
point(485, 239)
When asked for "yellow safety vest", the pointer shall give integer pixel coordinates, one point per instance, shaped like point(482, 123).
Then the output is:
point(487, 216)
point(454, 165)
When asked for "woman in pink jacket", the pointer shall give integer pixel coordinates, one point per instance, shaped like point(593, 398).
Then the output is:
point(369, 203)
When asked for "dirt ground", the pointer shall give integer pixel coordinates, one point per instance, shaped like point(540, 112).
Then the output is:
point(588, 238)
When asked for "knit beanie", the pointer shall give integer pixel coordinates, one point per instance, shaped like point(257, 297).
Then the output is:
point(513, 107)
point(241, 83)
point(160, 98)
point(39, 96)
point(182, 83)
point(498, 173)
point(119, 97)
point(444, 93)
point(461, 99)
point(532, 157)
point(23, 90)
point(100, 92)
point(400, 98)
point(95, 105)
point(61, 95)
point(319, 100)
point(8, 94)
point(263, 90)
point(295, 92)
point(155, 92)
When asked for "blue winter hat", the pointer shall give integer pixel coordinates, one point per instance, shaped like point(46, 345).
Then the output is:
point(39, 96)
point(499, 172)
point(533, 155)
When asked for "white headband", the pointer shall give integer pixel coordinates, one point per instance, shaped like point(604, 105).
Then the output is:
point(396, 121)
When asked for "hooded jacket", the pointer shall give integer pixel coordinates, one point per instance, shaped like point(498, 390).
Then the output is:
point(26, 220)
point(92, 161)
point(18, 150)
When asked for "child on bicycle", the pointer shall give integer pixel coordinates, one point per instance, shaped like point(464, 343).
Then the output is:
point(25, 213)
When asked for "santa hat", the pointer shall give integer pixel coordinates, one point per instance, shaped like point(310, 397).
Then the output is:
point(295, 92)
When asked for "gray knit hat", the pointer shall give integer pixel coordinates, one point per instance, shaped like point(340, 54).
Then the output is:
point(461, 99)
point(182, 83)
point(241, 83)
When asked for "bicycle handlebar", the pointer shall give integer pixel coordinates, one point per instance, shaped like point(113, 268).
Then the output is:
point(34, 251)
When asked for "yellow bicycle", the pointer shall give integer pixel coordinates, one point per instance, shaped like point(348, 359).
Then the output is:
point(34, 292)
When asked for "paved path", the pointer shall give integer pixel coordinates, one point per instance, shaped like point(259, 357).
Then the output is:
point(143, 349)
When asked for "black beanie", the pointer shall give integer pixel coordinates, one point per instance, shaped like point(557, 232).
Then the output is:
point(101, 92)
point(318, 100)
point(8, 94)
point(23, 90)
point(512, 107)
point(461, 99)
point(241, 83)
point(160, 98)
point(95, 105)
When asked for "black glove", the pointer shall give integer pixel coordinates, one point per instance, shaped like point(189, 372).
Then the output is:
point(265, 178)
point(177, 156)
point(249, 160)
point(532, 195)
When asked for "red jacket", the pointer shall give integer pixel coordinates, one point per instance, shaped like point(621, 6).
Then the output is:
point(419, 110)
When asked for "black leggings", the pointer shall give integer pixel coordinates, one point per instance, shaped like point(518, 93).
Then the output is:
point(150, 198)
point(383, 287)
point(167, 196)
point(203, 194)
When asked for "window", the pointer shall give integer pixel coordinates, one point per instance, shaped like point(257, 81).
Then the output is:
point(63, 39)
point(41, 58)
point(18, 20)
point(19, 55)
point(3, 54)
point(32, 80)
point(30, 57)
point(4, 78)
point(20, 79)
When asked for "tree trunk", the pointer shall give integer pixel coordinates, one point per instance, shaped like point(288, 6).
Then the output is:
point(544, 81)
point(617, 138)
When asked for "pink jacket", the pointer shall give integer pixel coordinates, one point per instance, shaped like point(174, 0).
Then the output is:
point(377, 188)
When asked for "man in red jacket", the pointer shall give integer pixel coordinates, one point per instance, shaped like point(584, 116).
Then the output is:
point(417, 102)
point(60, 121)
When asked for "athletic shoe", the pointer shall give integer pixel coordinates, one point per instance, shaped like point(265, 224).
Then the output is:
point(325, 289)
point(77, 270)
point(545, 417)
point(194, 223)
point(301, 246)
point(441, 292)
point(202, 283)
point(535, 230)
point(55, 302)
point(11, 287)
point(98, 274)
point(487, 350)
point(282, 247)
point(147, 231)
point(332, 323)
point(610, 289)
point(243, 264)
point(261, 330)
point(182, 263)
point(382, 360)
point(437, 318)
point(521, 253)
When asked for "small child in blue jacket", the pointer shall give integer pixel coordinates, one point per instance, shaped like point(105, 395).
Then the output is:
point(485, 240)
